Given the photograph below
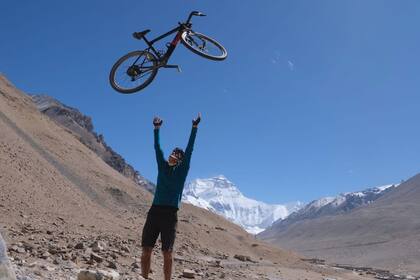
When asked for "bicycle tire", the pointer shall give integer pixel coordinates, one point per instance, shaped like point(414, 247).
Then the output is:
point(185, 38)
point(128, 90)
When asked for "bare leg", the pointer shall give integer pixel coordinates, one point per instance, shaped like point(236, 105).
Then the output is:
point(167, 264)
point(145, 261)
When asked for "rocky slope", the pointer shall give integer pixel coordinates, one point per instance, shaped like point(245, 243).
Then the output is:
point(82, 128)
point(221, 196)
point(58, 198)
point(384, 233)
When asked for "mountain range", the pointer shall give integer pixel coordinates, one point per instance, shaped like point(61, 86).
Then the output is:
point(383, 233)
point(217, 194)
point(328, 206)
point(221, 196)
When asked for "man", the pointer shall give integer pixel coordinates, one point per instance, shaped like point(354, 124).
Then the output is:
point(162, 216)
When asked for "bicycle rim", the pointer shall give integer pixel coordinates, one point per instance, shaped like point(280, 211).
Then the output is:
point(203, 45)
point(133, 72)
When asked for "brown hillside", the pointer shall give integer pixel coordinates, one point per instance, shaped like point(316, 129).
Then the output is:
point(384, 234)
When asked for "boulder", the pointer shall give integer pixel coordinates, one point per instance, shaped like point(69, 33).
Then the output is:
point(98, 275)
point(112, 265)
point(80, 246)
point(188, 273)
point(98, 246)
point(96, 258)
point(125, 248)
point(242, 258)
point(6, 271)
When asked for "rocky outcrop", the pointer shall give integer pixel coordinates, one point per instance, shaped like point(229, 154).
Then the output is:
point(6, 271)
point(82, 128)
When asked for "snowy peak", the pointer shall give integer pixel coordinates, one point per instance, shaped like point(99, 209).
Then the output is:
point(359, 198)
point(221, 196)
point(213, 187)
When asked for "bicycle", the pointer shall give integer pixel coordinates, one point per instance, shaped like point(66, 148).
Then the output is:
point(136, 70)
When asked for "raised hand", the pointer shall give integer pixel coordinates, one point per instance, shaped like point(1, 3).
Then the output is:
point(157, 122)
point(197, 120)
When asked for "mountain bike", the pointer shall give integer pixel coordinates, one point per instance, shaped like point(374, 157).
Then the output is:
point(136, 70)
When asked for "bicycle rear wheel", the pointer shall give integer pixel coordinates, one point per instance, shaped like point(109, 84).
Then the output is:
point(203, 45)
point(133, 72)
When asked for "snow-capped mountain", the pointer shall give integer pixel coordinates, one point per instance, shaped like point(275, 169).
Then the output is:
point(221, 196)
point(342, 203)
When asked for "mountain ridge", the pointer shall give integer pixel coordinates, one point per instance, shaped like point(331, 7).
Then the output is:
point(82, 127)
point(384, 233)
point(342, 203)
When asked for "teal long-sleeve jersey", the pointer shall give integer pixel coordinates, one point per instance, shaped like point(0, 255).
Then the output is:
point(171, 179)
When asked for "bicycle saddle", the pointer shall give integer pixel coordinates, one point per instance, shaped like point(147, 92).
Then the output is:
point(140, 35)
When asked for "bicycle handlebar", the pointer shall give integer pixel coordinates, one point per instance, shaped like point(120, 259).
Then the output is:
point(195, 13)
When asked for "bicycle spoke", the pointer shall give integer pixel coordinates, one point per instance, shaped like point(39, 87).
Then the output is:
point(126, 80)
point(134, 71)
point(202, 45)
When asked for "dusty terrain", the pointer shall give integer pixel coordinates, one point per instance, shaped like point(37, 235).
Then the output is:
point(57, 198)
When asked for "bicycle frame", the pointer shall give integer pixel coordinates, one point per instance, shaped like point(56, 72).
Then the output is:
point(172, 45)
point(163, 59)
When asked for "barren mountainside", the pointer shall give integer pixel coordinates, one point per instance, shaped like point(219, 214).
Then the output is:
point(329, 206)
point(82, 128)
point(384, 233)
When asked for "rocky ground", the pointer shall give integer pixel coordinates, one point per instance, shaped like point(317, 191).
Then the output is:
point(54, 254)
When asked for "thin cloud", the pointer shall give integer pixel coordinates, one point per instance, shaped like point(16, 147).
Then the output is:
point(291, 65)
point(277, 59)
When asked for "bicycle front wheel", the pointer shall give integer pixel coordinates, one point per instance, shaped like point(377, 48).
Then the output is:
point(133, 72)
point(203, 45)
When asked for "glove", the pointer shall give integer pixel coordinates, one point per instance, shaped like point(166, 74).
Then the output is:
point(157, 121)
point(197, 120)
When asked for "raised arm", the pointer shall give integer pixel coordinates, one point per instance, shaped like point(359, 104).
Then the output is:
point(190, 146)
point(157, 122)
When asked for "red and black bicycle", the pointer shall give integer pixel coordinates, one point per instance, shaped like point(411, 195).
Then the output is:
point(136, 70)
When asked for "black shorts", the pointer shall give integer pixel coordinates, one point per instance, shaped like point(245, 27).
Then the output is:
point(163, 220)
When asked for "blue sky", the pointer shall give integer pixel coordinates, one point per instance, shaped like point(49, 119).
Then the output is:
point(315, 98)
